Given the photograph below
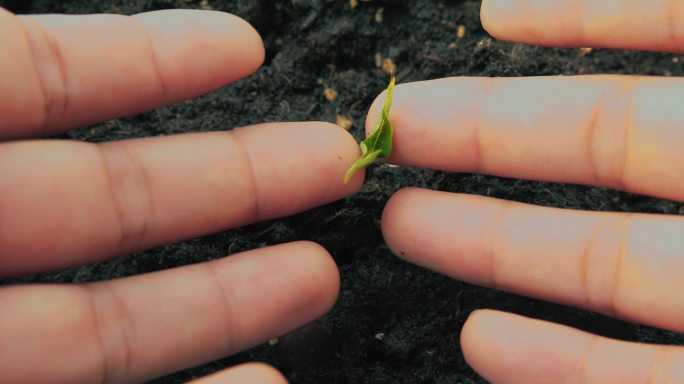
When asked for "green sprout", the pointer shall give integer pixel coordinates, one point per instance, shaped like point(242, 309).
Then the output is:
point(379, 143)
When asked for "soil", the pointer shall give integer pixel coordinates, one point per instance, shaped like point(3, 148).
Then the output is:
point(394, 322)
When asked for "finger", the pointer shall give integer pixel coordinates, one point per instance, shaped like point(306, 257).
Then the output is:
point(66, 71)
point(619, 264)
point(618, 132)
point(246, 373)
point(141, 327)
point(652, 25)
point(68, 203)
point(506, 348)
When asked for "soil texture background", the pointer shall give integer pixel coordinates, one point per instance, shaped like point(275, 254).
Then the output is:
point(394, 322)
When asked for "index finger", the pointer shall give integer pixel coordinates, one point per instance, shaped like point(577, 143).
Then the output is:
point(618, 132)
point(62, 71)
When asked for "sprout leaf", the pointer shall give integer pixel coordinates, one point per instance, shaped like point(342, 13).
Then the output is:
point(379, 143)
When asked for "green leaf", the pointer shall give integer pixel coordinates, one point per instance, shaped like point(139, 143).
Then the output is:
point(379, 143)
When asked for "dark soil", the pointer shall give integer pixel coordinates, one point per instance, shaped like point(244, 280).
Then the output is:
point(312, 44)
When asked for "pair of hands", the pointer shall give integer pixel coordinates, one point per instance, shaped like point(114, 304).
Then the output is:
point(67, 203)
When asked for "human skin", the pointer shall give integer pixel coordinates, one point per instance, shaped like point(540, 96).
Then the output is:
point(66, 203)
point(121, 197)
point(619, 132)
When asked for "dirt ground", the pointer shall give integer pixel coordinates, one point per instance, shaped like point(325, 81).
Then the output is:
point(393, 323)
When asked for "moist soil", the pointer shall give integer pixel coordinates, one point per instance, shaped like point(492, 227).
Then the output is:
point(393, 322)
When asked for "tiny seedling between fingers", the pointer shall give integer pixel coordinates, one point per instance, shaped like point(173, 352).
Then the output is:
point(379, 143)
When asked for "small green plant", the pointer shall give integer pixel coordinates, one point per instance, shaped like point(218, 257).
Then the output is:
point(379, 143)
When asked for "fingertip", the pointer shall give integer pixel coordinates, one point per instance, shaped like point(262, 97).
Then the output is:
point(299, 165)
point(545, 22)
point(395, 216)
point(413, 222)
point(374, 112)
point(253, 38)
point(277, 289)
point(340, 141)
point(494, 13)
point(321, 273)
point(234, 32)
point(472, 329)
point(498, 344)
point(349, 154)
point(250, 373)
point(481, 325)
point(483, 342)
point(199, 51)
point(487, 11)
point(255, 54)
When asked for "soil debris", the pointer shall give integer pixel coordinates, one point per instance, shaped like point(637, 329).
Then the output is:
point(461, 31)
point(379, 15)
point(585, 51)
point(344, 122)
point(205, 5)
point(330, 94)
point(378, 59)
point(388, 66)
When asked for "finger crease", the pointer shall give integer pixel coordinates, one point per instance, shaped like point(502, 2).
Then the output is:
point(115, 348)
point(580, 371)
point(256, 208)
point(106, 375)
point(122, 168)
point(583, 24)
point(478, 153)
point(627, 135)
point(613, 307)
point(671, 20)
point(221, 286)
point(48, 101)
point(494, 241)
point(592, 131)
point(58, 59)
point(477, 147)
point(154, 57)
point(585, 265)
point(661, 360)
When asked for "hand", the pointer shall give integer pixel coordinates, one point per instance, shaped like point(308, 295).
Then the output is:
point(618, 132)
point(67, 203)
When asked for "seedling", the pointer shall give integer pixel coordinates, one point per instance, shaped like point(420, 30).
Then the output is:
point(379, 143)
